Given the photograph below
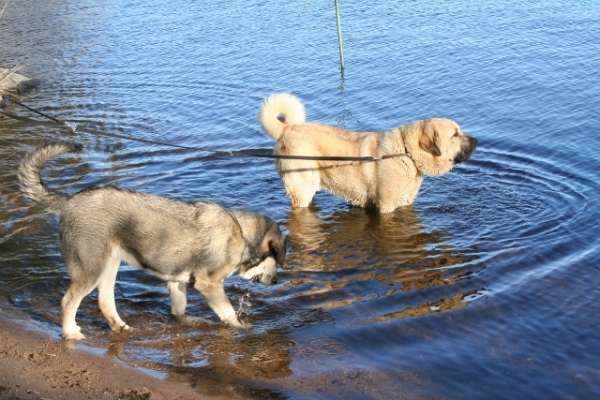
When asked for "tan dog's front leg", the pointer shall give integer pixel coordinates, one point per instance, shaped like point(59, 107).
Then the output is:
point(214, 293)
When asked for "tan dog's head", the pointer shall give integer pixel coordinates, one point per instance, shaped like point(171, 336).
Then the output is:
point(437, 144)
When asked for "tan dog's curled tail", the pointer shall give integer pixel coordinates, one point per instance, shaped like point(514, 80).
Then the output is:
point(279, 110)
point(31, 181)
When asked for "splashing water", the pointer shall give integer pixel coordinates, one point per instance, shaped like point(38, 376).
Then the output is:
point(242, 311)
point(72, 125)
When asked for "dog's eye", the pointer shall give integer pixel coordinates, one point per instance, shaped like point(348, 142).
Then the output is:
point(456, 134)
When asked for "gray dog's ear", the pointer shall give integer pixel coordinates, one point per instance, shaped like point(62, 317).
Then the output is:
point(275, 243)
point(429, 142)
point(277, 248)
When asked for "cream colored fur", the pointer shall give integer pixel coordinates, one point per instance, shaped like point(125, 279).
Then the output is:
point(428, 147)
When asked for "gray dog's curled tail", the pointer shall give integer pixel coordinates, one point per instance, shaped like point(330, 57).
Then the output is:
point(31, 181)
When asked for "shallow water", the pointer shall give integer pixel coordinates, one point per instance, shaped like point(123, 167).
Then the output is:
point(486, 287)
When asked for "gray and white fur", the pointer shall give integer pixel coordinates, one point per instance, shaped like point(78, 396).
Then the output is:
point(178, 241)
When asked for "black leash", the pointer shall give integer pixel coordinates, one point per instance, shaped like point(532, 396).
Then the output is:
point(261, 153)
point(34, 110)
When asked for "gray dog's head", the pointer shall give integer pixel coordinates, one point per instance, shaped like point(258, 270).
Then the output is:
point(265, 272)
point(270, 255)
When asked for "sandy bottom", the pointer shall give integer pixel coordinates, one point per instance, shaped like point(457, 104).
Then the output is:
point(37, 366)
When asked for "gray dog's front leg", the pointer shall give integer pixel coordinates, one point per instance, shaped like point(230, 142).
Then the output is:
point(178, 298)
point(215, 295)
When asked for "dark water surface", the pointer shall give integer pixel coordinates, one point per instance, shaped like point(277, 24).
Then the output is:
point(486, 288)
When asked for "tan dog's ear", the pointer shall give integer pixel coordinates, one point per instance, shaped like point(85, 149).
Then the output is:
point(429, 143)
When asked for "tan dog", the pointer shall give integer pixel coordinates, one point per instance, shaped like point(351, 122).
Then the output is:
point(429, 147)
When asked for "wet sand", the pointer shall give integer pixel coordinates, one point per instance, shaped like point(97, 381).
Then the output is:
point(37, 366)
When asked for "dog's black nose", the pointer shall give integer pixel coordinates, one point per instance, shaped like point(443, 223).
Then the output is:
point(466, 151)
point(274, 280)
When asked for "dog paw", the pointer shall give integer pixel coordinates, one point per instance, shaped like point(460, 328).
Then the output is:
point(73, 335)
point(238, 323)
point(244, 325)
point(119, 327)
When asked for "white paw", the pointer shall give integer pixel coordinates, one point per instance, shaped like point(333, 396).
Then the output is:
point(235, 322)
point(119, 327)
point(244, 325)
point(73, 334)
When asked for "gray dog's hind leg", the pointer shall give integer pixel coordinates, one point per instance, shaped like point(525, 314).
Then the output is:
point(70, 303)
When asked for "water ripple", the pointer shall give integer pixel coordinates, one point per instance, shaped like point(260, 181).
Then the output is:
point(492, 269)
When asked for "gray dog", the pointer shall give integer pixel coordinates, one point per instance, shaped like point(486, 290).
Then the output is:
point(174, 240)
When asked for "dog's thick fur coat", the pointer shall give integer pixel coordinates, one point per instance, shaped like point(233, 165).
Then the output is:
point(428, 147)
point(177, 241)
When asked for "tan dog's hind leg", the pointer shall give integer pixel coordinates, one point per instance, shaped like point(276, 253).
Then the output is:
point(106, 294)
point(178, 298)
point(299, 198)
point(213, 291)
point(300, 183)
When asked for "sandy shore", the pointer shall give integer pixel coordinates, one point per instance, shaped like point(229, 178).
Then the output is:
point(36, 366)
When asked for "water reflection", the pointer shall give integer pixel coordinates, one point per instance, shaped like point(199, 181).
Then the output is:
point(519, 220)
point(358, 256)
point(214, 360)
point(345, 115)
